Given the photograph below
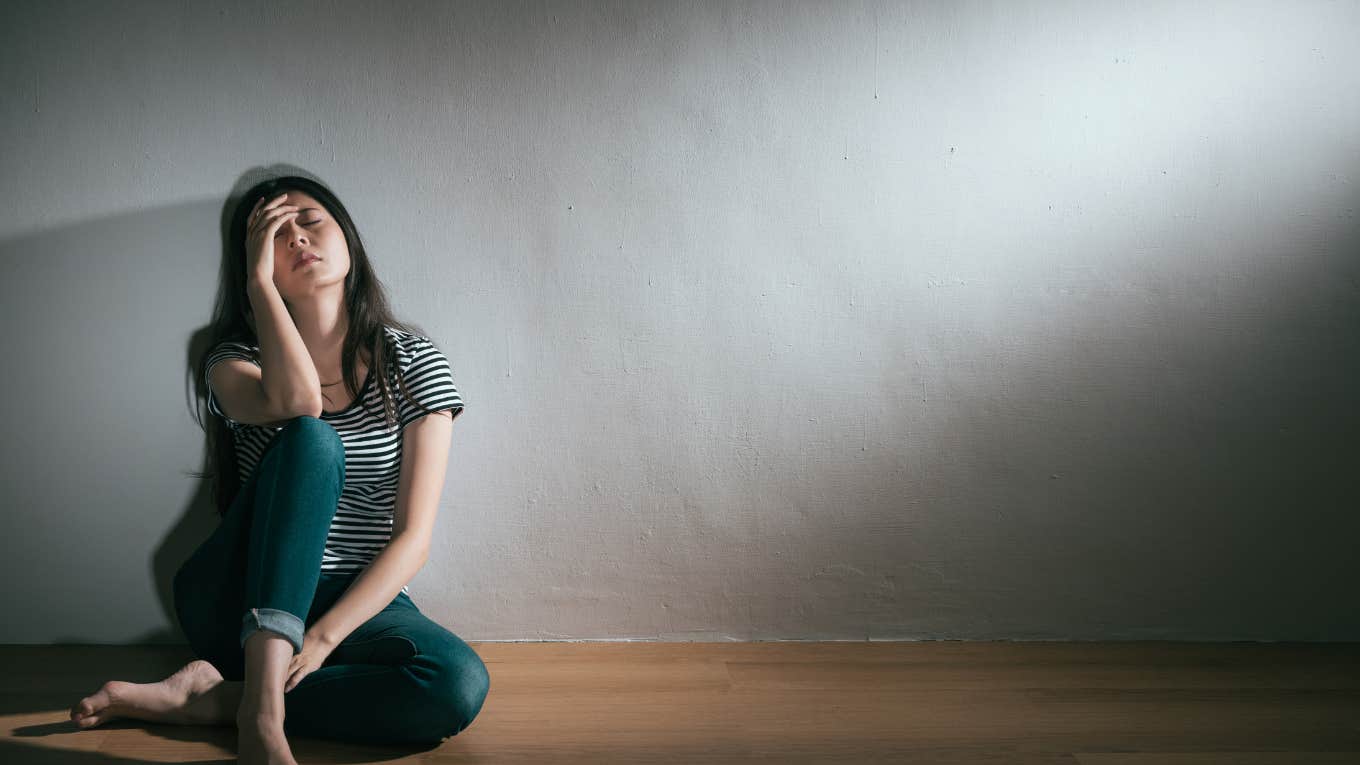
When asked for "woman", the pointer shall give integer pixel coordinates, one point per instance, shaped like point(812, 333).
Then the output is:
point(297, 604)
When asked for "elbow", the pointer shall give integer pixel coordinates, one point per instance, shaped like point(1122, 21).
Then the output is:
point(413, 549)
point(310, 407)
point(287, 407)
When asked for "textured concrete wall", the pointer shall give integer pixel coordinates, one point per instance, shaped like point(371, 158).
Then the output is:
point(773, 320)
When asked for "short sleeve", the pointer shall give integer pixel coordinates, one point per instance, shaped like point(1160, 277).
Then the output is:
point(224, 351)
point(429, 380)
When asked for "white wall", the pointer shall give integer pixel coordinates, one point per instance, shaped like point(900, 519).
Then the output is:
point(773, 320)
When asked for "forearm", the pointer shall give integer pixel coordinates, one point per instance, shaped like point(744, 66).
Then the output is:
point(287, 372)
point(371, 591)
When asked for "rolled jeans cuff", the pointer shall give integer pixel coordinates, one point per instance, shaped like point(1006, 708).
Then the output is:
point(274, 620)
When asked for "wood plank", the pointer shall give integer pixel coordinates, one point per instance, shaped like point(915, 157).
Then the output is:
point(936, 702)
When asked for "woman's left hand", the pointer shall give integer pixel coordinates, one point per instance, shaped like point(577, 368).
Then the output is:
point(313, 655)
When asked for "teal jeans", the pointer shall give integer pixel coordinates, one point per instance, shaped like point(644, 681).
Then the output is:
point(398, 678)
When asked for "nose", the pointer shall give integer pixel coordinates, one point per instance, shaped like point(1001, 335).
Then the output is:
point(297, 236)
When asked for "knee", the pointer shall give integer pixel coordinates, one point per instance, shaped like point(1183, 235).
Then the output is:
point(318, 437)
point(460, 692)
point(314, 431)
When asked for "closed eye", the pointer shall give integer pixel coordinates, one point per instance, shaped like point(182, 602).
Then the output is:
point(308, 224)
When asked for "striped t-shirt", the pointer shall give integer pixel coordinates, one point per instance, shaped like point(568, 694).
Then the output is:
point(363, 518)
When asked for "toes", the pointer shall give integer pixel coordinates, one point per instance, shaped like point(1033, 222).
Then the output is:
point(93, 709)
point(91, 719)
point(89, 704)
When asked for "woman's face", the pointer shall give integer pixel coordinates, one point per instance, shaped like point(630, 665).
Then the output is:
point(312, 232)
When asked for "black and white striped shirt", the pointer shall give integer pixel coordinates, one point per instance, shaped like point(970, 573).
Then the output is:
point(363, 518)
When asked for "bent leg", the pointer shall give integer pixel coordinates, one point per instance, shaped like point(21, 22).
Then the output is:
point(295, 501)
point(398, 678)
point(263, 559)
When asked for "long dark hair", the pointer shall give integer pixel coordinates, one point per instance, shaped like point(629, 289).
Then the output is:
point(233, 319)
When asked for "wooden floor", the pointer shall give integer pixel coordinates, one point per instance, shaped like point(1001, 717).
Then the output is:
point(936, 702)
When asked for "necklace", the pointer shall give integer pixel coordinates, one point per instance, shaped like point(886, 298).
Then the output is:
point(327, 385)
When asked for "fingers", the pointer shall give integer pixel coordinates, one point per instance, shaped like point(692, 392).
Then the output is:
point(256, 208)
point(262, 200)
point(271, 217)
point(294, 677)
point(273, 204)
point(264, 204)
point(275, 220)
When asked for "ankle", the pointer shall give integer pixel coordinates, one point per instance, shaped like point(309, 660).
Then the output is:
point(259, 714)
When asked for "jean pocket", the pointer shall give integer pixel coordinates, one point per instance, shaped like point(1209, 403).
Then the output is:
point(384, 649)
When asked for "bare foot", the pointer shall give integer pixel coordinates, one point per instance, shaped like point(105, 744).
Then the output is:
point(182, 699)
point(260, 740)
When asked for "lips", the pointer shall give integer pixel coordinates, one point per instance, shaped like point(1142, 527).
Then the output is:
point(304, 259)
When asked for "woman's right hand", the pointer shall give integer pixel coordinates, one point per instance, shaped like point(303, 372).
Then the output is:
point(261, 225)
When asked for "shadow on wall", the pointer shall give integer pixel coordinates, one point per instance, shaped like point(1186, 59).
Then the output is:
point(1169, 454)
point(99, 303)
point(107, 294)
